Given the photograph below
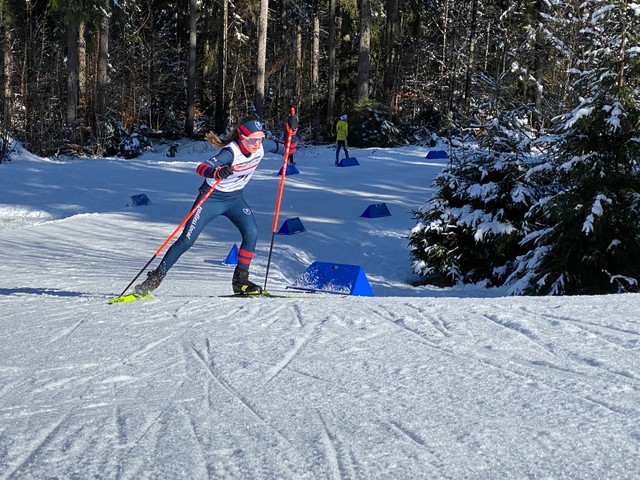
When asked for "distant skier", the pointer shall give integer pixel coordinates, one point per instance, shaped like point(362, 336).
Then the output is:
point(342, 133)
point(294, 139)
point(234, 165)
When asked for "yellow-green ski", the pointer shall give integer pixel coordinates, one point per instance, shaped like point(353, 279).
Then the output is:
point(132, 297)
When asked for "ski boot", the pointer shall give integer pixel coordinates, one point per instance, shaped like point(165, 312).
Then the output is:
point(241, 284)
point(153, 281)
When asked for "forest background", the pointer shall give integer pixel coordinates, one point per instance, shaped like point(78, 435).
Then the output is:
point(537, 102)
point(71, 67)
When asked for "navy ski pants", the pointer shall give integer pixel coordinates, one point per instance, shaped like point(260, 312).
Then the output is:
point(229, 204)
point(339, 145)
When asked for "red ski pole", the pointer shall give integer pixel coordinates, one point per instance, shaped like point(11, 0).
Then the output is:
point(173, 234)
point(292, 127)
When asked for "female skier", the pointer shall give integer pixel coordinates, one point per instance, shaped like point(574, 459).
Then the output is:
point(234, 165)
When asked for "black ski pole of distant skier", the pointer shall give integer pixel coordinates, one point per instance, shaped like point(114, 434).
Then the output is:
point(292, 127)
point(182, 224)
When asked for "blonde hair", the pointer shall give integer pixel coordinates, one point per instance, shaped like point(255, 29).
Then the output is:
point(218, 142)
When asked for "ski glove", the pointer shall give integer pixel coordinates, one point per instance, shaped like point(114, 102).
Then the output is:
point(223, 172)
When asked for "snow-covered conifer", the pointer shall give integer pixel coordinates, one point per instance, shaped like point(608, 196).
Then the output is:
point(586, 230)
point(470, 231)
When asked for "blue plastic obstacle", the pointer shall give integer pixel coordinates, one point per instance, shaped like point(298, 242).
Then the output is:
point(437, 154)
point(232, 257)
point(348, 162)
point(334, 278)
point(138, 200)
point(291, 226)
point(291, 170)
point(376, 210)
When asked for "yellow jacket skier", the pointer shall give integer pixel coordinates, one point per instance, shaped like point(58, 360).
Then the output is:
point(342, 133)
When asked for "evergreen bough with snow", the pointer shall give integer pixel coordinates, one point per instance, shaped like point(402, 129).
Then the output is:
point(585, 232)
point(470, 231)
point(571, 225)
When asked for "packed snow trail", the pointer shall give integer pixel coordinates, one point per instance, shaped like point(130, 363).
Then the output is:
point(414, 383)
point(319, 388)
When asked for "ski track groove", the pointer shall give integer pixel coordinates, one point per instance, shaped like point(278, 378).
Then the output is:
point(609, 339)
point(201, 446)
point(120, 426)
point(520, 330)
point(436, 461)
point(211, 370)
point(574, 320)
point(537, 366)
point(613, 408)
point(632, 380)
point(273, 315)
point(593, 329)
point(67, 332)
point(299, 315)
point(436, 322)
point(196, 306)
point(530, 365)
point(331, 452)
point(40, 444)
point(315, 377)
point(154, 420)
point(587, 327)
point(400, 321)
point(253, 308)
point(298, 344)
point(148, 347)
point(56, 315)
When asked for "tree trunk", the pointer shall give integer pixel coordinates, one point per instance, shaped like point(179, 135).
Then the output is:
point(6, 29)
point(315, 56)
point(262, 57)
point(471, 60)
point(6, 94)
point(391, 39)
point(623, 46)
point(102, 75)
point(191, 74)
point(82, 68)
point(220, 117)
point(364, 53)
point(331, 73)
point(73, 68)
point(538, 69)
point(298, 70)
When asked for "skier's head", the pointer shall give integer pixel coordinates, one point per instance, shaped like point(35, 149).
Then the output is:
point(343, 117)
point(249, 128)
point(250, 135)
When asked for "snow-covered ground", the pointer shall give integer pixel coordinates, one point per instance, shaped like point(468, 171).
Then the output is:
point(413, 383)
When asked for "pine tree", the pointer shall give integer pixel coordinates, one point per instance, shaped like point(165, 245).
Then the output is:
point(585, 233)
point(470, 231)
